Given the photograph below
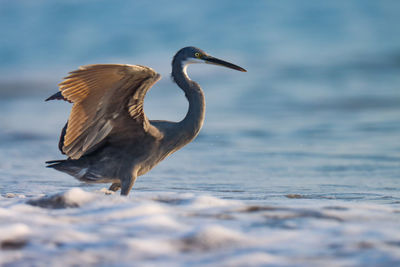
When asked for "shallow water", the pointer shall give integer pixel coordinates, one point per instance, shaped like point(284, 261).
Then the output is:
point(298, 162)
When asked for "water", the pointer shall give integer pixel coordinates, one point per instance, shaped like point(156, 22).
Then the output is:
point(298, 162)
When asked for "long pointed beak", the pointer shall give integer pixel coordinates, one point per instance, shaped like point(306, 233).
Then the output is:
point(220, 62)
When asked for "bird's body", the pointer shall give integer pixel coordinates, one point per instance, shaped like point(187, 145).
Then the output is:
point(108, 138)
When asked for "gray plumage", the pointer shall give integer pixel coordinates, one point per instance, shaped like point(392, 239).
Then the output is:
point(108, 138)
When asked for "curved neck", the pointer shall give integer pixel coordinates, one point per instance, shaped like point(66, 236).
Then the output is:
point(193, 121)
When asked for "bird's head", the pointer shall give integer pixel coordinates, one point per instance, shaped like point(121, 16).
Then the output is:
point(190, 54)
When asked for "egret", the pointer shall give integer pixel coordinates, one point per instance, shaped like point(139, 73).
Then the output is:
point(108, 138)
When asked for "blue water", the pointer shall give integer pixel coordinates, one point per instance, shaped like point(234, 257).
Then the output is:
point(314, 124)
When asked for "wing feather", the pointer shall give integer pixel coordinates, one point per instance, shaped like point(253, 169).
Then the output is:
point(97, 135)
point(100, 93)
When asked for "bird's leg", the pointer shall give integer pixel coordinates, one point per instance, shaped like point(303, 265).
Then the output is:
point(115, 187)
point(126, 184)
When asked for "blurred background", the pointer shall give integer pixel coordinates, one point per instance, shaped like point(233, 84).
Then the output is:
point(317, 111)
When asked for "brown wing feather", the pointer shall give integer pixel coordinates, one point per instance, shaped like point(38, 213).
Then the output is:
point(100, 93)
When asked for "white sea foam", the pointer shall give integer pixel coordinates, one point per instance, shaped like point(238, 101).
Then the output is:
point(195, 230)
point(78, 196)
point(14, 231)
point(209, 202)
point(213, 237)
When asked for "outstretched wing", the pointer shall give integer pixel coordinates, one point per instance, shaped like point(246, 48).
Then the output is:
point(101, 94)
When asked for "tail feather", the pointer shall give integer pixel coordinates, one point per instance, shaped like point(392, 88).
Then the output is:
point(66, 166)
point(54, 163)
point(78, 170)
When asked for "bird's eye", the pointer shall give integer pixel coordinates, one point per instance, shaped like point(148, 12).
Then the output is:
point(197, 55)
